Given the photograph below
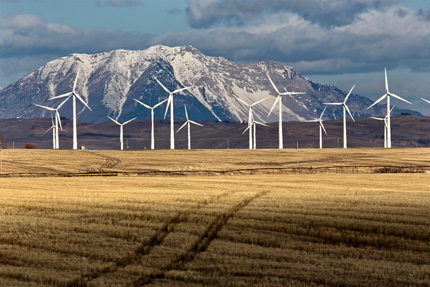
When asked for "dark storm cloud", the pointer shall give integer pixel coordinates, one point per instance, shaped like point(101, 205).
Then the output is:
point(327, 13)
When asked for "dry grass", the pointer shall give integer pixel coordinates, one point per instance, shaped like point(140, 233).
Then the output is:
point(69, 161)
point(260, 230)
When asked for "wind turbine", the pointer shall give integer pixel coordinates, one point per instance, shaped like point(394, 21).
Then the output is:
point(345, 108)
point(425, 100)
point(385, 126)
point(57, 121)
point(279, 100)
point(320, 121)
point(170, 103)
point(250, 118)
point(121, 130)
point(254, 126)
point(75, 95)
point(388, 95)
point(152, 119)
point(188, 123)
point(53, 132)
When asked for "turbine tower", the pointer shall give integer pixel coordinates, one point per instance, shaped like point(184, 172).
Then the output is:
point(188, 123)
point(152, 119)
point(279, 100)
point(170, 102)
point(388, 95)
point(254, 127)
point(345, 108)
point(250, 118)
point(55, 131)
point(320, 121)
point(75, 95)
point(121, 130)
point(385, 126)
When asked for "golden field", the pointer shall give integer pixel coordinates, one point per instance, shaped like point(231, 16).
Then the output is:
point(330, 229)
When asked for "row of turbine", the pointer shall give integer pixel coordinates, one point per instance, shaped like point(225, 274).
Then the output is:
point(251, 121)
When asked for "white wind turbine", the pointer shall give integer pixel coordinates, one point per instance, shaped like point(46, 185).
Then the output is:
point(188, 123)
point(320, 121)
point(385, 126)
point(388, 95)
point(121, 130)
point(250, 118)
point(345, 108)
point(55, 131)
point(152, 119)
point(425, 100)
point(170, 103)
point(279, 100)
point(254, 127)
point(75, 95)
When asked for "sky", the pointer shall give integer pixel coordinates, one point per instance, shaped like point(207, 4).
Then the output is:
point(339, 42)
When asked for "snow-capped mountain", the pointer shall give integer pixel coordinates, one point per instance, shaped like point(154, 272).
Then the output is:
point(109, 82)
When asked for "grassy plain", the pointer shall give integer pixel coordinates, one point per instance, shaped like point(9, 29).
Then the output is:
point(69, 161)
point(247, 230)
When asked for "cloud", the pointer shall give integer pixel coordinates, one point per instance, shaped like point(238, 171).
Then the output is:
point(377, 38)
point(326, 13)
point(28, 42)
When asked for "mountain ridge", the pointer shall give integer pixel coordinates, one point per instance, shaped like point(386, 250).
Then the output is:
point(110, 81)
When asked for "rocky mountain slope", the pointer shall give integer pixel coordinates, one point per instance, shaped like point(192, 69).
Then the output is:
point(110, 81)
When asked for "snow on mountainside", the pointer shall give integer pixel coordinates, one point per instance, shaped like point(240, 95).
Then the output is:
point(109, 82)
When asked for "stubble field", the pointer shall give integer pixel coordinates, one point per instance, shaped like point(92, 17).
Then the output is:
point(244, 230)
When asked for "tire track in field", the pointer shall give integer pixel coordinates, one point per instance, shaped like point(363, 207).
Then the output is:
point(146, 246)
point(110, 162)
point(200, 245)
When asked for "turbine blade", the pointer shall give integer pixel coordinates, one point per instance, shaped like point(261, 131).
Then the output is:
point(247, 129)
point(323, 112)
point(160, 103)
point(400, 98)
point(180, 90)
point(349, 112)
point(62, 103)
point(245, 103)
point(380, 99)
point(82, 101)
point(274, 87)
point(182, 126)
point(61, 96)
point(186, 113)
point(261, 124)
point(333, 104)
point(166, 89)
point(321, 123)
point(47, 130)
point(379, 119)
point(168, 104)
point(292, 93)
point(129, 121)
point(146, 106)
point(193, 122)
point(347, 96)
point(114, 120)
point(44, 107)
point(257, 102)
point(76, 80)
point(425, 100)
point(276, 101)
point(57, 114)
point(386, 81)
